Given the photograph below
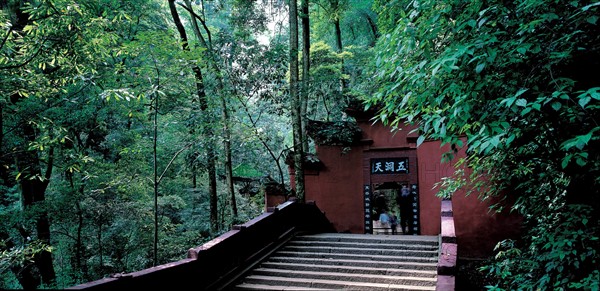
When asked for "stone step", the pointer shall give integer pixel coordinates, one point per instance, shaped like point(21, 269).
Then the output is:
point(348, 261)
point(385, 258)
point(396, 245)
point(427, 266)
point(296, 283)
point(348, 277)
point(369, 238)
point(248, 286)
point(364, 250)
point(378, 270)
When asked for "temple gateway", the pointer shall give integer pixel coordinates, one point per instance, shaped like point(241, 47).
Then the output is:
point(359, 171)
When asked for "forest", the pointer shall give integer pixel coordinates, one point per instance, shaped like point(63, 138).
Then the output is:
point(134, 130)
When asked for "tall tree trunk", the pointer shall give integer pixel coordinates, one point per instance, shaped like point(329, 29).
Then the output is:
point(33, 193)
point(296, 106)
point(208, 131)
point(374, 30)
point(305, 71)
point(339, 49)
point(228, 162)
point(336, 9)
point(2, 171)
point(33, 188)
point(220, 90)
point(194, 176)
point(338, 35)
point(100, 245)
point(155, 166)
point(80, 250)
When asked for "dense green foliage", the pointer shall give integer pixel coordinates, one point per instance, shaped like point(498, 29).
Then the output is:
point(103, 119)
point(101, 106)
point(80, 82)
point(518, 80)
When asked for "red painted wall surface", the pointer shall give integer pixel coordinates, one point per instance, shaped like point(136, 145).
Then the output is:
point(337, 189)
point(431, 170)
point(477, 229)
point(383, 138)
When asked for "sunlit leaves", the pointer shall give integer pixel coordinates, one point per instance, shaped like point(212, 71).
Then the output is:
point(21, 255)
point(118, 94)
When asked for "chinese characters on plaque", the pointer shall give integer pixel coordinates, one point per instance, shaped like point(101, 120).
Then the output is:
point(389, 166)
point(415, 227)
point(368, 221)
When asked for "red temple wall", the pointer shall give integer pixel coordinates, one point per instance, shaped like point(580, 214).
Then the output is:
point(337, 189)
point(477, 229)
point(383, 138)
point(431, 170)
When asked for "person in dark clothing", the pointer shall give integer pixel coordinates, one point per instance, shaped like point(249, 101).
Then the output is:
point(393, 222)
point(404, 200)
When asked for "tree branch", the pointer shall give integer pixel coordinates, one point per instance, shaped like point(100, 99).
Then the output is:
point(24, 63)
point(6, 38)
point(171, 161)
point(195, 15)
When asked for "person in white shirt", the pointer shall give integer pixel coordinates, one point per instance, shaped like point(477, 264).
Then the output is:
point(384, 220)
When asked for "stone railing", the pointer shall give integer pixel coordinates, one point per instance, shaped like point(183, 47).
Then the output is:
point(217, 263)
point(446, 267)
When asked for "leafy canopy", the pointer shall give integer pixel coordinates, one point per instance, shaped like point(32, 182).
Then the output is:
point(511, 77)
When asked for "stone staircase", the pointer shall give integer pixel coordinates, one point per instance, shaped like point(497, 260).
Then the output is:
point(349, 262)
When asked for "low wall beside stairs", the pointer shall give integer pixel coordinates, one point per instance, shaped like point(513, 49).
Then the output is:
point(447, 268)
point(210, 266)
point(214, 265)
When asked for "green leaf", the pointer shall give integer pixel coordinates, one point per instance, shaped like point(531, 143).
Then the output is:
point(479, 68)
point(584, 101)
point(594, 93)
point(520, 92)
point(580, 161)
point(521, 102)
point(583, 140)
point(566, 160)
point(420, 140)
point(556, 105)
point(510, 138)
point(495, 141)
point(585, 8)
point(525, 111)
point(579, 141)
point(508, 101)
point(481, 22)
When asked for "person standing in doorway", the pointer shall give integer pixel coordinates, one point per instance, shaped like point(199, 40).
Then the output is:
point(384, 220)
point(393, 222)
point(405, 202)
